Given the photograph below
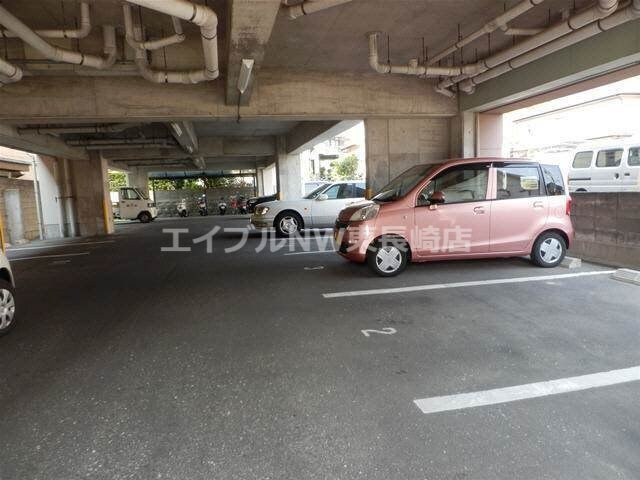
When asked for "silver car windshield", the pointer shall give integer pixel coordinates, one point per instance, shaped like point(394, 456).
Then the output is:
point(317, 191)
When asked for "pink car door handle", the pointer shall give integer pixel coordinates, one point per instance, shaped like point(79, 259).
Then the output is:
point(478, 210)
point(538, 204)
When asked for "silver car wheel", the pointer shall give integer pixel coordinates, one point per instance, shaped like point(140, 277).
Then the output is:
point(289, 225)
point(388, 259)
point(7, 308)
point(550, 250)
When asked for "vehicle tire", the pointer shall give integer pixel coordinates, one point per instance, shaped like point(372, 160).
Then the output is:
point(288, 224)
point(144, 217)
point(548, 250)
point(388, 257)
point(7, 307)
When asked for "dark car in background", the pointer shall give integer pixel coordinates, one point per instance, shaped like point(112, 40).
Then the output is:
point(252, 202)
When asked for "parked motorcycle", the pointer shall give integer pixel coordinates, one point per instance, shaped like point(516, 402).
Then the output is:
point(203, 210)
point(242, 205)
point(182, 208)
point(222, 207)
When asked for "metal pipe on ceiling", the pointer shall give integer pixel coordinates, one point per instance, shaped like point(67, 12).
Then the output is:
point(521, 32)
point(308, 7)
point(178, 37)
point(627, 14)
point(200, 15)
point(412, 68)
point(498, 22)
point(59, 54)
point(9, 73)
point(114, 128)
point(81, 32)
point(601, 10)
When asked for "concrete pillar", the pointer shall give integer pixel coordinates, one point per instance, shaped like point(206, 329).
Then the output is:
point(396, 144)
point(139, 177)
point(490, 135)
point(90, 181)
point(463, 135)
point(50, 193)
point(289, 172)
point(260, 180)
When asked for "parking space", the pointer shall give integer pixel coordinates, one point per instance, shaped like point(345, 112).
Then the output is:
point(133, 362)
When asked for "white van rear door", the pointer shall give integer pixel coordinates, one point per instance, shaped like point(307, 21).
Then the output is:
point(631, 171)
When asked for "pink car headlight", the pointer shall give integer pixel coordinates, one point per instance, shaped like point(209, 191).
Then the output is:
point(365, 213)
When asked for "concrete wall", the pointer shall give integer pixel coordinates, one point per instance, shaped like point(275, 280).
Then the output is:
point(396, 144)
point(28, 211)
point(607, 228)
point(167, 200)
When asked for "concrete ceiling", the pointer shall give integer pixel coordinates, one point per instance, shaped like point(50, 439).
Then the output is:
point(335, 39)
point(319, 45)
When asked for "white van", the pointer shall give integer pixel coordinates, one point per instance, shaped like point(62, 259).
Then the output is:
point(610, 168)
point(133, 204)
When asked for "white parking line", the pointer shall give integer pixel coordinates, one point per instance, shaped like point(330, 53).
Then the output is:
point(48, 256)
point(311, 253)
point(440, 286)
point(530, 390)
point(41, 247)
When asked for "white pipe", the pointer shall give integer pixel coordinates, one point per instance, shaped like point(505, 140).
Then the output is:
point(308, 7)
point(9, 73)
point(412, 68)
point(203, 17)
point(492, 26)
point(58, 54)
point(603, 9)
point(82, 32)
point(524, 32)
point(68, 200)
point(178, 37)
point(117, 127)
point(632, 12)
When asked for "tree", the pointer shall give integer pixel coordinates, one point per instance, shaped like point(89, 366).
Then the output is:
point(117, 180)
point(346, 168)
point(162, 184)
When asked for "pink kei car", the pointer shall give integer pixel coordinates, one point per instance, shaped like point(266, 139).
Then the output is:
point(462, 209)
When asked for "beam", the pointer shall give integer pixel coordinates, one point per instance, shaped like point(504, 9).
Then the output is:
point(281, 95)
point(39, 144)
point(185, 135)
point(308, 134)
point(251, 24)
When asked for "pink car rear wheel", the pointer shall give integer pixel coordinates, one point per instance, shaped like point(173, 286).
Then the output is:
point(549, 250)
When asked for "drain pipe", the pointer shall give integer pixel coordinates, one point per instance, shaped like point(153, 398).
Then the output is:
point(603, 9)
point(308, 7)
point(200, 15)
point(498, 22)
point(82, 32)
point(178, 37)
point(68, 200)
point(412, 68)
point(630, 13)
point(522, 32)
point(116, 127)
point(9, 73)
point(58, 54)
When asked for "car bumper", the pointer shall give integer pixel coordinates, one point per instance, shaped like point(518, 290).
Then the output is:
point(353, 240)
point(261, 223)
